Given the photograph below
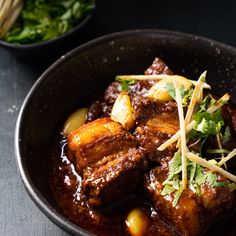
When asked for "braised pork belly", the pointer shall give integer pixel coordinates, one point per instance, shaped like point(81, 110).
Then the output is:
point(155, 156)
point(98, 139)
point(194, 212)
point(112, 179)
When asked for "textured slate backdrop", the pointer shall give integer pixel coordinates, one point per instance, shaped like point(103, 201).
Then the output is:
point(213, 19)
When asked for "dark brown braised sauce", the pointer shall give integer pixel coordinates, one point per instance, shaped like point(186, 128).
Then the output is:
point(102, 209)
point(66, 184)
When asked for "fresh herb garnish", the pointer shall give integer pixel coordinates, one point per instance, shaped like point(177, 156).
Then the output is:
point(217, 151)
point(226, 184)
point(42, 20)
point(177, 196)
point(203, 120)
point(207, 102)
point(174, 183)
point(174, 167)
point(167, 190)
point(184, 93)
point(226, 135)
point(208, 123)
point(212, 181)
point(125, 84)
point(171, 90)
point(187, 97)
point(196, 178)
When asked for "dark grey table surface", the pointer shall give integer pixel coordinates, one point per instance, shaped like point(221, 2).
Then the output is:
point(213, 19)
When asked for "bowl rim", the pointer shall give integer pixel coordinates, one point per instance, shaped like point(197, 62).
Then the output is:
point(79, 26)
point(33, 192)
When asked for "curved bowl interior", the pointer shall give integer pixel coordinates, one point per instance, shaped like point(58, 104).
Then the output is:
point(74, 79)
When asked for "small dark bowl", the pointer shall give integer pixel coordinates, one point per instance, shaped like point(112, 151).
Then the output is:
point(74, 78)
point(55, 46)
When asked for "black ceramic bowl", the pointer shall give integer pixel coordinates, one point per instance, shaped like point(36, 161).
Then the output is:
point(74, 78)
point(51, 47)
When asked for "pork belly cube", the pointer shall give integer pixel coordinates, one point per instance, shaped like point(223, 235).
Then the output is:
point(97, 139)
point(150, 138)
point(157, 121)
point(146, 108)
point(114, 177)
point(193, 213)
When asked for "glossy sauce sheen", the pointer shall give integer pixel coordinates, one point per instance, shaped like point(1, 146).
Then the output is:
point(151, 116)
point(66, 184)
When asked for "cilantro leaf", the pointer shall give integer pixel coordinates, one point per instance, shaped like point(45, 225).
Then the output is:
point(192, 171)
point(185, 94)
point(226, 135)
point(176, 182)
point(167, 190)
point(206, 103)
point(125, 85)
point(203, 126)
point(42, 20)
point(199, 177)
point(175, 166)
point(171, 89)
point(208, 123)
point(177, 196)
point(187, 97)
point(226, 184)
point(211, 179)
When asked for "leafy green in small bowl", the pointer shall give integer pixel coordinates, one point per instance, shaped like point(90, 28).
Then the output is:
point(43, 20)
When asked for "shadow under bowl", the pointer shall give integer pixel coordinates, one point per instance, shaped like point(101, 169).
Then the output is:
point(74, 79)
